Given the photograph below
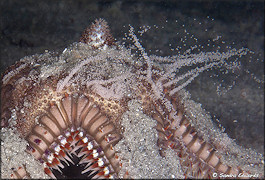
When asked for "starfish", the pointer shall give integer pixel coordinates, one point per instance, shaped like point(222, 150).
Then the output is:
point(97, 110)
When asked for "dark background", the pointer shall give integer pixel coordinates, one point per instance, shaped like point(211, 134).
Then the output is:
point(33, 26)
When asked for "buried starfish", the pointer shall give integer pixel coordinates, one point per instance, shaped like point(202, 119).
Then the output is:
point(97, 110)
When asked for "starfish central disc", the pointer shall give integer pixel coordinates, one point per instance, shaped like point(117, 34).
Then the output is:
point(72, 133)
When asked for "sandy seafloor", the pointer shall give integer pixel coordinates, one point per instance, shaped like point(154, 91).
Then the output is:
point(29, 27)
